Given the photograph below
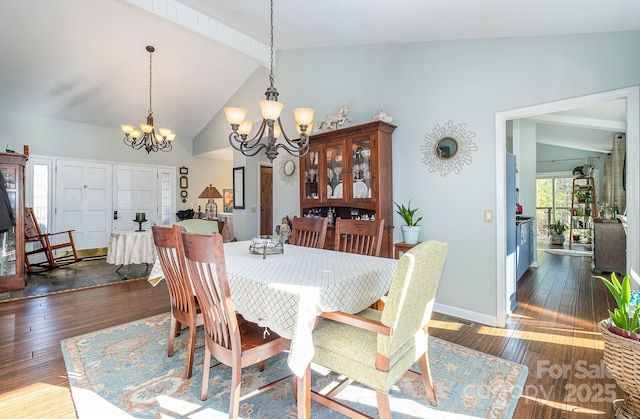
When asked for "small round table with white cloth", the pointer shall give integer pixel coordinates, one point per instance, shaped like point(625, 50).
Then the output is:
point(127, 247)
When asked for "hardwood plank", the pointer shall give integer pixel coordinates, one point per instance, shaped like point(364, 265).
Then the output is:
point(32, 372)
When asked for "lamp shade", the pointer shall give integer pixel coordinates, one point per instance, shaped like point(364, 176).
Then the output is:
point(235, 116)
point(270, 109)
point(304, 116)
point(245, 127)
point(210, 192)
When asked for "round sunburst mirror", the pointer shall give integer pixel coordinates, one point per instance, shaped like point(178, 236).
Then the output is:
point(448, 148)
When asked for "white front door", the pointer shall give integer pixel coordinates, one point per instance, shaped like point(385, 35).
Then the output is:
point(135, 190)
point(83, 202)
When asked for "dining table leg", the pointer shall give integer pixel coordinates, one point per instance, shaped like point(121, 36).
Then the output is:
point(304, 394)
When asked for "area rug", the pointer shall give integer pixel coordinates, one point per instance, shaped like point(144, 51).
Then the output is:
point(124, 371)
point(569, 252)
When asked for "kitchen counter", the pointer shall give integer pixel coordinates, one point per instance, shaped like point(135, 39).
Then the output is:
point(521, 219)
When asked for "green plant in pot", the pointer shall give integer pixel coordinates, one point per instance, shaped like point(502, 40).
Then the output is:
point(622, 344)
point(411, 230)
point(557, 229)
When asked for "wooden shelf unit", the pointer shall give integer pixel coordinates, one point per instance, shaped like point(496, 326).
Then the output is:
point(583, 210)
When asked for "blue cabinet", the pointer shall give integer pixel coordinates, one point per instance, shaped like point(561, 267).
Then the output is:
point(524, 247)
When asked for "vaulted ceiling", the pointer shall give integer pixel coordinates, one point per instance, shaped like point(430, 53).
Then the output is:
point(85, 60)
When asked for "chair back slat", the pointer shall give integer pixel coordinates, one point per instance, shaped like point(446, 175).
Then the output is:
point(32, 230)
point(412, 293)
point(309, 232)
point(180, 289)
point(363, 237)
point(204, 261)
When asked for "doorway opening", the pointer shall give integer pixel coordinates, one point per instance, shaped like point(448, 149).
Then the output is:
point(632, 97)
point(266, 200)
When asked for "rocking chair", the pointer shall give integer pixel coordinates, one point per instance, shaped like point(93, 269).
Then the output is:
point(47, 244)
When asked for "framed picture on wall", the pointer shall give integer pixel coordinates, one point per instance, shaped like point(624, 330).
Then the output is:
point(184, 170)
point(227, 200)
point(238, 187)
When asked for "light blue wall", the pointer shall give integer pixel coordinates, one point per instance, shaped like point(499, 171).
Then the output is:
point(58, 138)
point(424, 84)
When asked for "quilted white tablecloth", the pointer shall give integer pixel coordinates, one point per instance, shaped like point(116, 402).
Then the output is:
point(127, 247)
point(286, 292)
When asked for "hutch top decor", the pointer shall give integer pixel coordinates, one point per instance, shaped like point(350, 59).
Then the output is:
point(347, 173)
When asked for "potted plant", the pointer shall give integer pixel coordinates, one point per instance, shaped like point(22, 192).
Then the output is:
point(581, 196)
point(557, 229)
point(411, 230)
point(622, 344)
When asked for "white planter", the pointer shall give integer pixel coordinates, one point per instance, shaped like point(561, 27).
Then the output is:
point(557, 239)
point(410, 234)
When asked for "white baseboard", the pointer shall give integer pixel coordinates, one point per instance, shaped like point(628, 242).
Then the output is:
point(466, 314)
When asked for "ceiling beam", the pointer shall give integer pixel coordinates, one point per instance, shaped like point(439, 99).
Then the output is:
point(205, 25)
point(591, 123)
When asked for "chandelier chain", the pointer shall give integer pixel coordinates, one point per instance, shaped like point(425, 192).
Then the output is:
point(150, 55)
point(271, 78)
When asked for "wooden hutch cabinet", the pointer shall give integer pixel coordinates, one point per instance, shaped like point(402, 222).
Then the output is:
point(348, 171)
point(12, 240)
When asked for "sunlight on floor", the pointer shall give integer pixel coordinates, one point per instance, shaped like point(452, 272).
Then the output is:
point(561, 406)
point(439, 324)
point(183, 408)
point(543, 337)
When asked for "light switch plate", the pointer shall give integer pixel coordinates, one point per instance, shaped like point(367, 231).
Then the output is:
point(488, 216)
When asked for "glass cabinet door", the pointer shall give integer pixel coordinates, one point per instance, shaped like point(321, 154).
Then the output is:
point(361, 169)
point(8, 237)
point(311, 174)
point(335, 173)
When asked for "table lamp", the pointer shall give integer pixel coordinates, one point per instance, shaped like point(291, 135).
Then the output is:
point(211, 209)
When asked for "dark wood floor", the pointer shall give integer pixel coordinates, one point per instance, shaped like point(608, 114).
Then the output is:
point(553, 329)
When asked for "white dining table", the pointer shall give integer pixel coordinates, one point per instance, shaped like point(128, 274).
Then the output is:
point(286, 292)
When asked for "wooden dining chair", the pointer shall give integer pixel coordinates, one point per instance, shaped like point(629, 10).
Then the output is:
point(376, 348)
point(184, 308)
point(309, 231)
point(363, 237)
point(48, 244)
point(230, 338)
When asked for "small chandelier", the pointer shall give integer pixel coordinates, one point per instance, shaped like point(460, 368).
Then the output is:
point(149, 139)
point(271, 127)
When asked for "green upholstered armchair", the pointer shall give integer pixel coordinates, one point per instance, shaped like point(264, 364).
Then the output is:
point(376, 348)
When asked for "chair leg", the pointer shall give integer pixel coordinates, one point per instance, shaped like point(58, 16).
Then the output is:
point(172, 334)
point(261, 366)
point(384, 407)
point(191, 349)
point(234, 391)
point(205, 373)
point(427, 380)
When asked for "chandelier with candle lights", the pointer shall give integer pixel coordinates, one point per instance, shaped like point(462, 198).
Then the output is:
point(146, 136)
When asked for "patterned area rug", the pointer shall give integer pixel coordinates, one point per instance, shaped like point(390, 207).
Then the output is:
point(124, 371)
